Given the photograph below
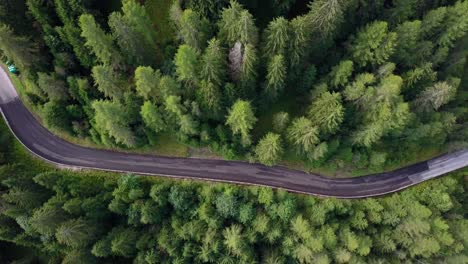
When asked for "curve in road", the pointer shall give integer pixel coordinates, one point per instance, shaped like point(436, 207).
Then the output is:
point(44, 144)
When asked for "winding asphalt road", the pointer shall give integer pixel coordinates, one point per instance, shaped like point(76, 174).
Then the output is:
point(44, 144)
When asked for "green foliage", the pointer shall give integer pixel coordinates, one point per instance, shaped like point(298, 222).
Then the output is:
point(213, 63)
point(187, 63)
point(134, 33)
point(276, 77)
point(113, 120)
point(17, 48)
point(76, 233)
point(326, 15)
point(147, 83)
point(194, 29)
point(303, 134)
point(99, 41)
point(327, 112)
point(237, 25)
point(432, 98)
point(241, 119)
point(276, 37)
point(340, 74)
point(152, 117)
point(51, 85)
point(108, 81)
point(298, 42)
point(280, 121)
point(269, 149)
point(55, 117)
point(373, 44)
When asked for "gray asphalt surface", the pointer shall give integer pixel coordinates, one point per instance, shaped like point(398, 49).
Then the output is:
point(62, 153)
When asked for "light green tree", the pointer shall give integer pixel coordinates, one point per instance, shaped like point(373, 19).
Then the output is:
point(373, 44)
point(229, 18)
point(432, 98)
point(298, 41)
point(76, 233)
point(109, 81)
point(47, 219)
point(237, 24)
point(341, 73)
point(126, 38)
point(456, 24)
point(303, 135)
point(123, 241)
point(276, 77)
point(210, 96)
point(241, 119)
point(168, 86)
point(234, 240)
point(327, 112)
point(325, 15)
point(269, 150)
point(152, 117)
point(276, 37)
point(246, 29)
point(99, 41)
point(248, 72)
point(188, 125)
point(213, 63)
point(187, 63)
point(193, 29)
point(147, 83)
point(112, 119)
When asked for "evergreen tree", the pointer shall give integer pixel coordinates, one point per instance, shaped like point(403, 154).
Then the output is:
point(52, 86)
point(213, 63)
point(99, 41)
point(194, 29)
point(303, 135)
point(237, 25)
point(248, 70)
point(280, 121)
point(456, 24)
point(128, 40)
point(47, 219)
point(75, 233)
point(276, 37)
point(241, 120)
point(210, 96)
point(69, 12)
point(16, 48)
point(276, 77)
point(113, 120)
point(138, 22)
point(269, 149)
point(187, 63)
point(327, 112)
point(109, 81)
point(298, 41)
point(341, 73)
point(373, 44)
point(432, 98)
point(326, 15)
point(152, 117)
point(147, 83)
point(123, 241)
